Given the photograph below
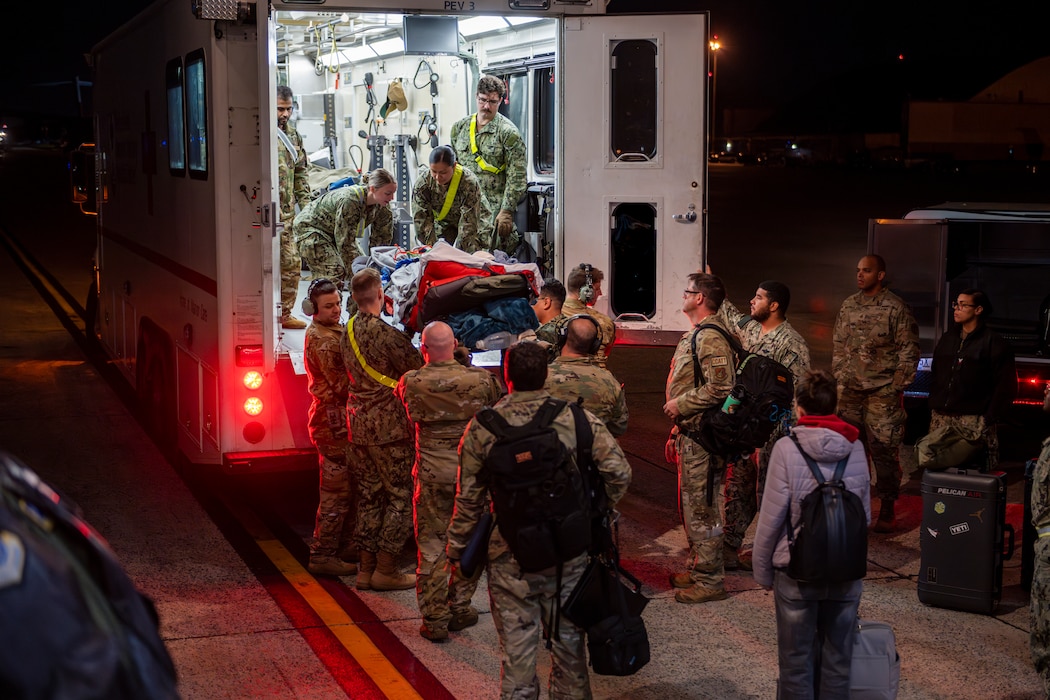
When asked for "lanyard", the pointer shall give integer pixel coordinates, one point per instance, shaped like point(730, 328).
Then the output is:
point(474, 148)
point(453, 186)
point(372, 372)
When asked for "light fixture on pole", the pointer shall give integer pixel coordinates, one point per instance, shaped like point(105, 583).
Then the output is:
point(714, 45)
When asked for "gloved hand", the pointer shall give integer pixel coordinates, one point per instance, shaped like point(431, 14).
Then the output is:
point(504, 223)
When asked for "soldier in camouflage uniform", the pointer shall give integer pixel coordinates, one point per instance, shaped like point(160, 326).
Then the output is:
point(328, 229)
point(489, 145)
point(548, 309)
point(688, 396)
point(1040, 603)
point(522, 602)
point(575, 375)
point(973, 377)
point(293, 188)
point(328, 385)
point(440, 398)
point(447, 202)
point(875, 352)
point(584, 286)
point(765, 332)
point(376, 355)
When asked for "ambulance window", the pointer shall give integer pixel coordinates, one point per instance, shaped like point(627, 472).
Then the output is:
point(515, 101)
point(633, 100)
point(196, 116)
point(543, 137)
point(176, 124)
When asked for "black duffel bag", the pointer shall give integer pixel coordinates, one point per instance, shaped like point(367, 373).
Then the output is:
point(607, 603)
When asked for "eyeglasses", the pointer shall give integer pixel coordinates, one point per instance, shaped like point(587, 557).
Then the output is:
point(687, 292)
point(482, 100)
point(962, 305)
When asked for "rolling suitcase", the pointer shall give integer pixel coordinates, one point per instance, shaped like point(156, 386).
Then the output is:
point(961, 539)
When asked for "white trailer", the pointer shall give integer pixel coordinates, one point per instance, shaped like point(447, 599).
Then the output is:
point(613, 109)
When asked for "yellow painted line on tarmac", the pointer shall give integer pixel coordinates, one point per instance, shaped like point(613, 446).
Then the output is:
point(54, 292)
point(386, 677)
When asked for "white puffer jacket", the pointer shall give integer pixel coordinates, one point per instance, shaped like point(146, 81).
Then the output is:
point(789, 481)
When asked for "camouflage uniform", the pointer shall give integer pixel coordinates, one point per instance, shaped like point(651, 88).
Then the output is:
point(976, 429)
point(380, 441)
point(329, 386)
point(572, 378)
point(875, 353)
point(571, 307)
point(549, 333)
point(522, 601)
point(440, 398)
point(702, 522)
point(459, 226)
point(1040, 595)
point(328, 229)
point(293, 188)
point(500, 144)
point(745, 480)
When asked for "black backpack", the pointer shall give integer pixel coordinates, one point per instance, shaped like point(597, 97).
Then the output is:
point(542, 500)
point(761, 397)
point(74, 625)
point(832, 541)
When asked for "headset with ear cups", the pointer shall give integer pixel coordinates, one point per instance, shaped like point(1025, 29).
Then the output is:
point(563, 333)
point(587, 290)
point(309, 303)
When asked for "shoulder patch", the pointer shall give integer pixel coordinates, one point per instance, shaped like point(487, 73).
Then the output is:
point(720, 361)
point(721, 374)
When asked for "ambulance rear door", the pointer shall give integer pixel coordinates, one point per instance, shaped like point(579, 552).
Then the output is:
point(634, 91)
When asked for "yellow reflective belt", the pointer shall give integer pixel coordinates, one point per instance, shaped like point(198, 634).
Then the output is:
point(1044, 531)
point(452, 187)
point(474, 148)
point(373, 373)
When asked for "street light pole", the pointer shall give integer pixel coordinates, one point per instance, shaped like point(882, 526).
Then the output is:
point(714, 45)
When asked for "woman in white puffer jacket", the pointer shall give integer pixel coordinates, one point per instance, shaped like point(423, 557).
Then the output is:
point(815, 621)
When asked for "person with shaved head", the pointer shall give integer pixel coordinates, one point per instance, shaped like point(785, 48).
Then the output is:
point(875, 352)
point(440, 398)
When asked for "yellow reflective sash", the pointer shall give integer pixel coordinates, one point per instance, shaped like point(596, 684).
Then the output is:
point(1043, 531)
point(452, 187)
point(474, 148)
point(372, 372)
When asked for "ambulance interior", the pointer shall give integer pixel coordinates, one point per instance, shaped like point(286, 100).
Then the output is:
point(341, 68)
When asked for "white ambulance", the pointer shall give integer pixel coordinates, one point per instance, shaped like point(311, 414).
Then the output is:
point(613, 110)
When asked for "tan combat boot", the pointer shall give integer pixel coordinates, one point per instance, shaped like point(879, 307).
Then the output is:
point(365, 567)
point(322, 565)
point(292, 323)
point(681, 580)
point(462, 619)
point(700, 594)
point(730, 560)
point(386, 576)
point(887, 521)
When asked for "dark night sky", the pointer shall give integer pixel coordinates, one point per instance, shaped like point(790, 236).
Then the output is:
point(773, 51)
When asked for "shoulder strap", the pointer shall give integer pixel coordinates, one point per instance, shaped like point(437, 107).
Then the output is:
point(450, 196)
point(584, 438)
point(478, 158)
point(371, 371)
point(734, 344)
point(498, 425)
point(287, 142)
point(840, 468)
point(732, 339)
point(493, 422)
